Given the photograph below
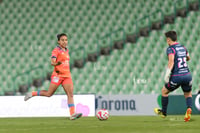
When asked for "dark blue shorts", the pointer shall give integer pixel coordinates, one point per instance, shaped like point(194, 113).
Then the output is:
point(184, 81)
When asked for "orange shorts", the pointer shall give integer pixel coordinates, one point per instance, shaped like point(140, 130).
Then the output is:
point(61, 80)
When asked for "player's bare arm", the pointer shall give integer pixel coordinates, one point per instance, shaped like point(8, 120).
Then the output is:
point(169, 68)
point(170, 61)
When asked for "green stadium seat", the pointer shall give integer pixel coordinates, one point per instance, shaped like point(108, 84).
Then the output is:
point(37, 73)
point(21, 80)
point(156, 17)
point(181, 4)
point(8, 86)
point(168, 10)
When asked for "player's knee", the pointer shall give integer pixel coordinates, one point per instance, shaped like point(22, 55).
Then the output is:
point(164, 91)
point(49, 94)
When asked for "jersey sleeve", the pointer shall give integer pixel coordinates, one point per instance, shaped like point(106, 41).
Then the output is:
point(54, 53)
point(170, 51)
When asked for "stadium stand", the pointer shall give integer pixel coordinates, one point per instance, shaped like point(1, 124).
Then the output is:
point(130, 71)
point(28, 34)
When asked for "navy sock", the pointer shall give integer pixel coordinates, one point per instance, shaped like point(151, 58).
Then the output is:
point(164, 104)
point(189, 102)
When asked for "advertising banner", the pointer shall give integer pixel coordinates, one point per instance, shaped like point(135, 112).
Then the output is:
point(55, 106)
point(177, 104)
point(127, 104)
point(119, 105)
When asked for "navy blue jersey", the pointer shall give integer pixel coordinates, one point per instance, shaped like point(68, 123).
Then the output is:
point(180, 55)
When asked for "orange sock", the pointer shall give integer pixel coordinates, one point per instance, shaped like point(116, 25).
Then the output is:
point(71, 109)
point(35, 93)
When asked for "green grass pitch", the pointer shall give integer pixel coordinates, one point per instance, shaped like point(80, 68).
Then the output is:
point(115, 124)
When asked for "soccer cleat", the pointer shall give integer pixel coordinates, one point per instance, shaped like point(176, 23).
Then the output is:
point(188, 114)
point(159, 112)
point(28, 96)
point(75, 116)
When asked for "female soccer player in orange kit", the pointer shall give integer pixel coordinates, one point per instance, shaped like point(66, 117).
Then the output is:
point(61, 75)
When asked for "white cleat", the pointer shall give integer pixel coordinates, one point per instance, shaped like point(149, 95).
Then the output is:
point(28, 96)
point(76, 116)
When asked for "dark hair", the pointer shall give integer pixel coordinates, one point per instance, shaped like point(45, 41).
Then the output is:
point(60, 35)
point(172, 35)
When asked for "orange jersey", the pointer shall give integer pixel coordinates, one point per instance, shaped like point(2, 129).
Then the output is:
point(62, 70)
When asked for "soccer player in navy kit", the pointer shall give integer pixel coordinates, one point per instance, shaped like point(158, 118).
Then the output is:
point(177, 74)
